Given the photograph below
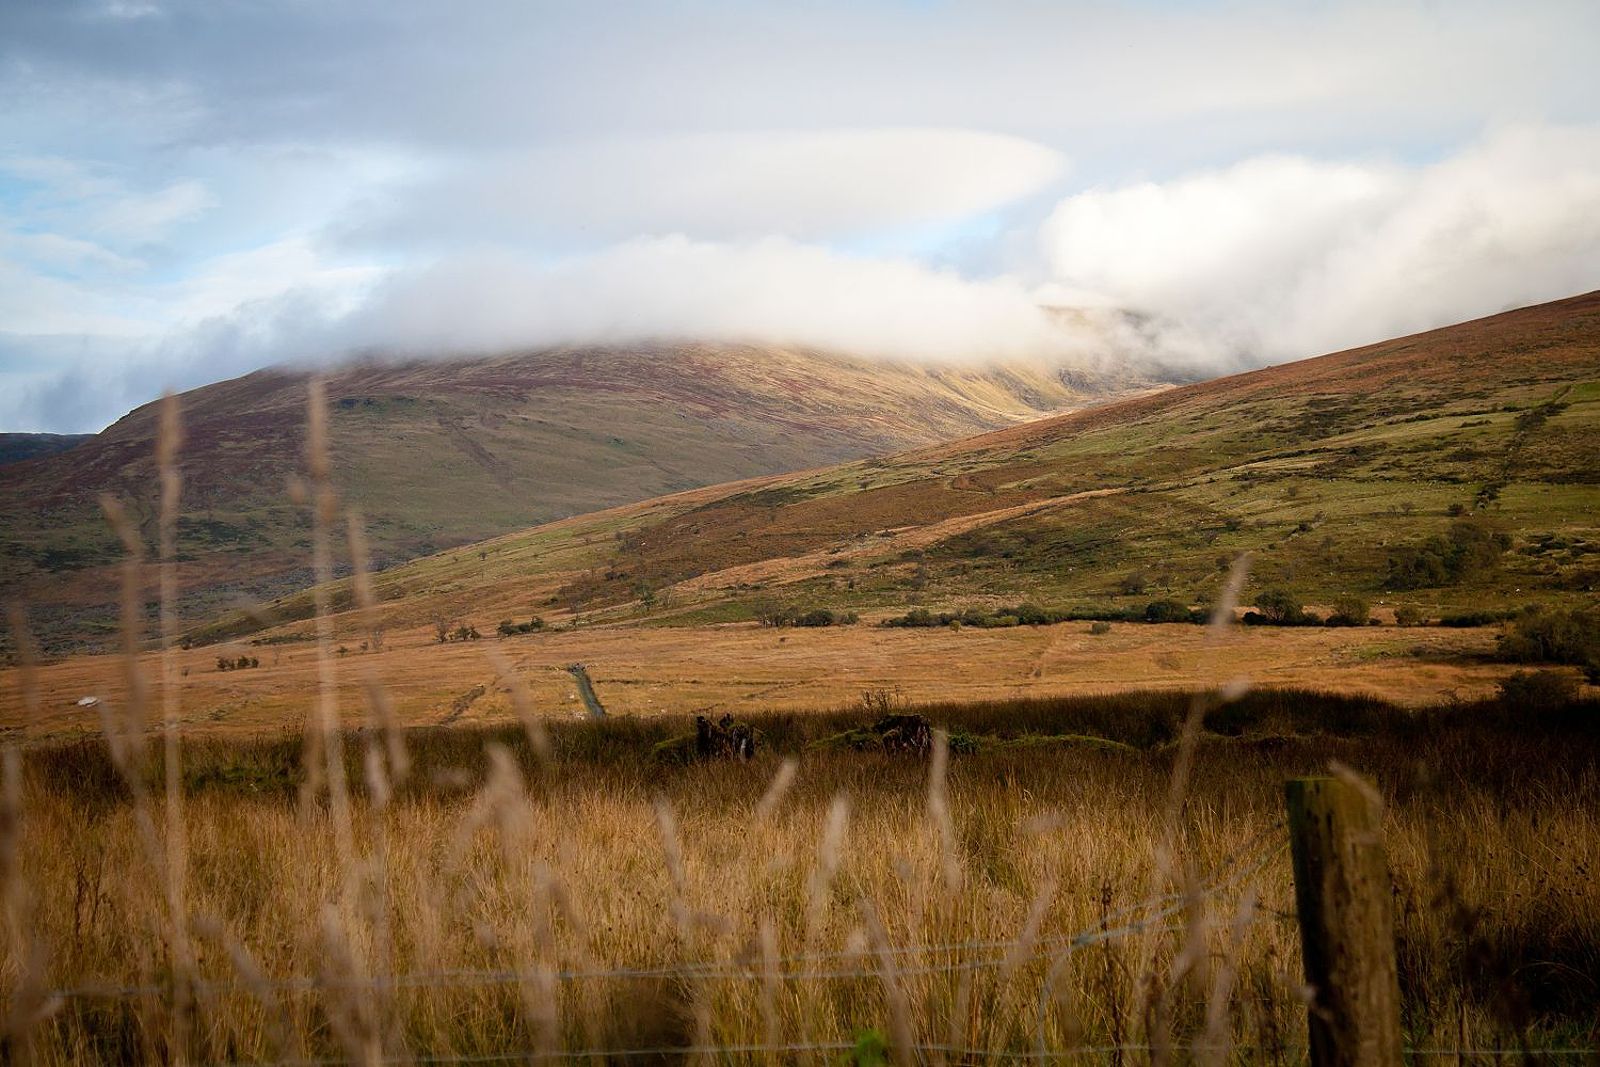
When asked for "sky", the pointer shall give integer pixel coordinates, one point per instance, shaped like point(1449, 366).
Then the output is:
point(193, 189)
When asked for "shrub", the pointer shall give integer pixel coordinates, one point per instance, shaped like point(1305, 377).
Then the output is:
point(825, 617)
point(1408, 615)
point(1475, 618)
point(1349, 611)
point(1470, 546)
point(1549, 635)
point(1134, 583)
point(1279, 607)
point(507, 628)
point(1099, 627)
point(1167, 611)
point(1032, 615)
point(809, 617)
point(1539, 690)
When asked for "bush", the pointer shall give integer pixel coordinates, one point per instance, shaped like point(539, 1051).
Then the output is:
point(1279, 607)
point(1134, 584)
point(826, 617)
point(1549, 635)
point(1408, 615)
point(1099, 627)
point(1349, 611)
point(1032, 615)
point(1475, 618)
point(808, 617)
point(1470, 546)
point(1167, 611)
point(507, 628)
point(1539, 690)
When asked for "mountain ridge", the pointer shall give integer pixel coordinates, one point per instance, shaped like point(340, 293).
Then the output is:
point(439, 453)
point(1324, 468)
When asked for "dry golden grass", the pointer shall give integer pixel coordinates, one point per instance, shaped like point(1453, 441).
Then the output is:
point(492, 860)
point(742, 668)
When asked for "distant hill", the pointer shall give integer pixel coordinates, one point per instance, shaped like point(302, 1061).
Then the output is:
point(1334, 471)
point(16, 447)
point(437, 454)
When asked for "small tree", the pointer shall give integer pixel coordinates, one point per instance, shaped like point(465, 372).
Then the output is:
point(1539, 690)
point(1280, 607)
point(1349, 611)
point(1166, 611)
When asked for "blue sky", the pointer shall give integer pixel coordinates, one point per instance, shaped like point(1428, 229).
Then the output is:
point(190, 190)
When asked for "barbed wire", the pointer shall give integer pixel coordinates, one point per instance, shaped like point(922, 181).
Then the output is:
point(1154, 915)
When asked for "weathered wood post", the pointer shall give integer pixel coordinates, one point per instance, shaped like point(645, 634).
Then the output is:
point(1341, 882)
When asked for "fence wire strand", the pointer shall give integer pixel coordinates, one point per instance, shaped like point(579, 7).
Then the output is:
point(1157, 911)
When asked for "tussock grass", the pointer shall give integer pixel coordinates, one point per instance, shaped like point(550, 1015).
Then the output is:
point(496, 858)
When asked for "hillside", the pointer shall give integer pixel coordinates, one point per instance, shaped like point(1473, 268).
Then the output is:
point(1330, 469)
point(444, 453)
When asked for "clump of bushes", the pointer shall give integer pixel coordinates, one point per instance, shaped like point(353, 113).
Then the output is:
point(1551, 635)
point(1349, 611)
point(1470, 546)
point(1021, 615)
point(240, 664)
point(1027, 614)
point(1279, 607)
point(1409, 615)
point(1539, 690)
point(1467, 619)
point(1172, 611)
point(791, 616)
point(507, 628)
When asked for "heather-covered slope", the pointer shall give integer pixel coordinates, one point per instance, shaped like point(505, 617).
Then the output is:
point(1332, 470)
point(443, 453)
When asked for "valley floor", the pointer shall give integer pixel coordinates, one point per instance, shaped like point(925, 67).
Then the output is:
point(746, 669)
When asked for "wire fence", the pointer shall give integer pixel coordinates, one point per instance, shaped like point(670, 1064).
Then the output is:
point(1159, 914)
point(1154, 914)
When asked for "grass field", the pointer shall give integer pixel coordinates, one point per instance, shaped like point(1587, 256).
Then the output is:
point(847, 911)
point(744, 669)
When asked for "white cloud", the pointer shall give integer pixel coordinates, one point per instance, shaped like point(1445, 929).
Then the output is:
point(296, 265)
point(92, 201)
point(771, 290)
point(802, 184)
point(138, 217)
point(1280, 257)
point(194, 186)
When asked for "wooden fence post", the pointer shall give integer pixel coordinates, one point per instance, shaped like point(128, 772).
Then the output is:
point(1341, 882)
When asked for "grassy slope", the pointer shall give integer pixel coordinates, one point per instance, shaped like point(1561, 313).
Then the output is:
point(438, 454)
point(1321, 467)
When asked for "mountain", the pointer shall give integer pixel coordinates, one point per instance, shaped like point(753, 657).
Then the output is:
point(439, 453)
point(15, 447)
point(1457, 469)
